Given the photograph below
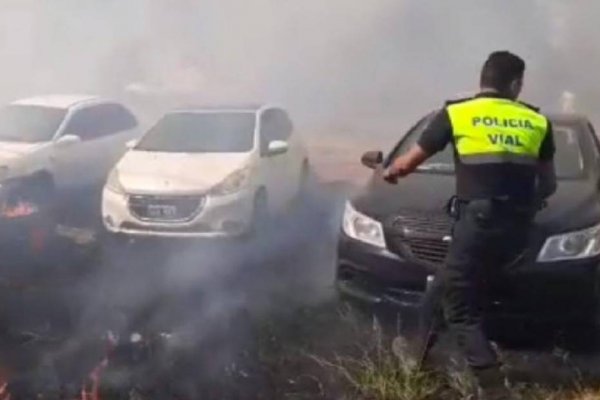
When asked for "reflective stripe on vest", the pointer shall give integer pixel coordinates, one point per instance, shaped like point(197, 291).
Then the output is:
point(492, 130)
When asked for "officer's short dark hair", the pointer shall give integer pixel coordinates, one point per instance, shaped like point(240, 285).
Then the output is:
point(500, 69)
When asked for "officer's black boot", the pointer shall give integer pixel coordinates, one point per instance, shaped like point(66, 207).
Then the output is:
point(492, 384)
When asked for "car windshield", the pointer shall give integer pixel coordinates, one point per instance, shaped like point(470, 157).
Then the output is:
point(568, 160)
point(29, 124)
point(189, 132)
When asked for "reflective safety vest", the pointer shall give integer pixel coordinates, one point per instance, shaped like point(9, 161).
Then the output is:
point(495, 130)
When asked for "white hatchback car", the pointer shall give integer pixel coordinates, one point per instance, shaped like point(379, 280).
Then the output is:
point(206, 173)
point(66, 142)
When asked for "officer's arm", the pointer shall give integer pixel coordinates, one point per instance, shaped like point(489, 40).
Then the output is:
point(546, 172)
point(436, 135)
point(407, 162)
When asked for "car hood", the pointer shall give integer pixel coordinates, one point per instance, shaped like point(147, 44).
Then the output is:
point(575, 204)
point(156, 173)
point(12, 150)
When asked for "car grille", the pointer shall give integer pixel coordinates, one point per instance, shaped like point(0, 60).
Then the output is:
point(420, 236)
point(166, 208)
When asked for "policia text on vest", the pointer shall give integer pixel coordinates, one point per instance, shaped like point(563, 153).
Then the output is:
point(496, 130)
point(503, 122)
point(499, 138)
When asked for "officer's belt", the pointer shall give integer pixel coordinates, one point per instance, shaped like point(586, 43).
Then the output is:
point(502, 204)
point(494, 158)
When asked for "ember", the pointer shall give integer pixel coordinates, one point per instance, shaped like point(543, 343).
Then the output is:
point(19, 210)
point(4, 395)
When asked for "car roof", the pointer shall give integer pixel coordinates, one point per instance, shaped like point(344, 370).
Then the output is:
point(56, 101)
point(243, 107)
point(568, 118)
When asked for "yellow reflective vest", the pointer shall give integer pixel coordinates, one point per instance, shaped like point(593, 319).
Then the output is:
point(496, 130)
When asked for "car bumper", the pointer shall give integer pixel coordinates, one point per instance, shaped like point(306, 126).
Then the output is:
point(220, 217)
point(553, 292)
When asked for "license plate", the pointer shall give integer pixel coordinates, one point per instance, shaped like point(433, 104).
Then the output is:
point(162, 211)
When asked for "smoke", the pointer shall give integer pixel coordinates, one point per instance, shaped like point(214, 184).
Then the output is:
point(347, 65)
point(352, 69)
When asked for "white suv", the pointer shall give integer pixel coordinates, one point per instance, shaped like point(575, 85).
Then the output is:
point(206, 173)
point(67, 142)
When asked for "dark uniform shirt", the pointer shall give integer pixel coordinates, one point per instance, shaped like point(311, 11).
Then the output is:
point(515, 181)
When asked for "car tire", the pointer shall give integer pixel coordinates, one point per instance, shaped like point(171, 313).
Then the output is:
point(260, 212)
point(581, 338)
point(45, 193)
point(305, 187)
point(306, 180)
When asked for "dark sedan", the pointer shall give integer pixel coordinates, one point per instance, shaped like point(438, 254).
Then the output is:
point(395, 237)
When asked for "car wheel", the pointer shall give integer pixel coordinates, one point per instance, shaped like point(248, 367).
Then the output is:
point(306, 180)
point(581, 337)
point(304, 187)
point(43, 191)
point(260, 212)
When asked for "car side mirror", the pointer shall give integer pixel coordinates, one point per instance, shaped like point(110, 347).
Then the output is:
point(68, 140)
point(277, 147)
point(131, 144)
point(372, 159)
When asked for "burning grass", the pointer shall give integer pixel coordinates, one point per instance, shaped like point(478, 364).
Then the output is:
point(333, 352)
point(18, 210)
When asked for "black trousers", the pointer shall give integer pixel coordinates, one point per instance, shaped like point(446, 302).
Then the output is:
point(487, 236)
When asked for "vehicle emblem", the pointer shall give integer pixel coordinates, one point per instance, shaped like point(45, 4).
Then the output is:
point(447, 239)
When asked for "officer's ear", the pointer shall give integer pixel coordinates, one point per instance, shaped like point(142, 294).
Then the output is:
point(515, 87)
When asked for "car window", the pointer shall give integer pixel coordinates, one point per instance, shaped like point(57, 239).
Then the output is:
point(29, 124)
point(595, 138)
point(99, 121)
point(569, 142)
point(275, 125)
point(118, 118)
point(189, 132)
point(569, 160)
point(410, 138)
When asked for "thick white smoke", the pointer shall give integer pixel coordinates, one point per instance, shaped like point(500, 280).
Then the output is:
point(354, 66)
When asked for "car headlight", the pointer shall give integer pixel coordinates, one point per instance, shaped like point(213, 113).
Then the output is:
point(235, 182)
point(113, 183)
point(363, 228)
point(571, 246)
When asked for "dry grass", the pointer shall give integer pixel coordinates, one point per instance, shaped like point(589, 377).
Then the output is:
point(383, 376)
point(341, 355)
point(567, 394)
point(324, 353)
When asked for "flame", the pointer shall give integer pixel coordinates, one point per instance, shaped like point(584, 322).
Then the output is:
point(90, 390)
point(19, 210)
point(4, 394)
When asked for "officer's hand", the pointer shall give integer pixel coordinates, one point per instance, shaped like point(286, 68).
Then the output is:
point(390, 176)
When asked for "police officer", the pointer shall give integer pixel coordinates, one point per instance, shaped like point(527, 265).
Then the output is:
point(504, 153)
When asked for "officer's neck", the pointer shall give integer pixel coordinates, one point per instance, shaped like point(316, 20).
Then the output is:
point(485, 91)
